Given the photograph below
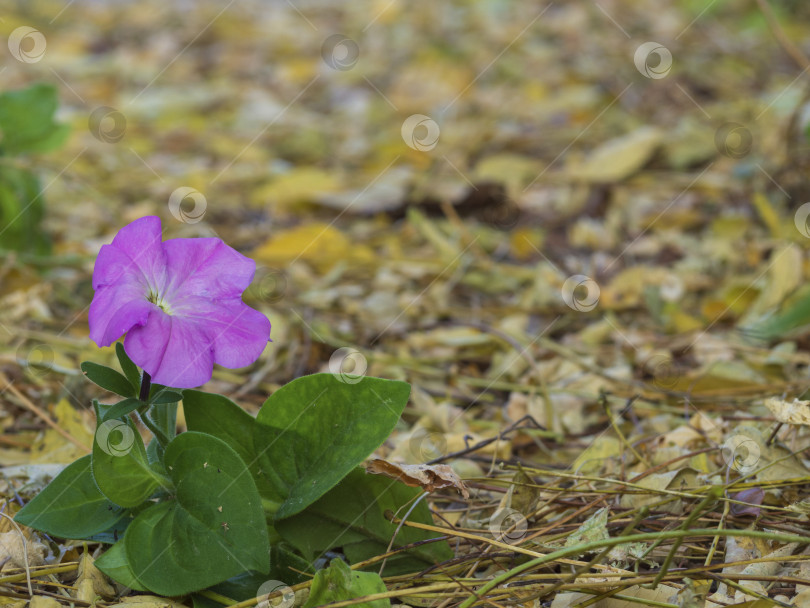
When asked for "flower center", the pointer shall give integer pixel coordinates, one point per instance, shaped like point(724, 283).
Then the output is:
point(157, 299)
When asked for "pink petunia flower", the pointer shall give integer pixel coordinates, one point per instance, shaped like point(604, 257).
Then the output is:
point(179, 303)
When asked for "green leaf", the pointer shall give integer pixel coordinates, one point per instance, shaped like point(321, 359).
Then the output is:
point(165, 397)
point(26, 120)
point(127, 366)
point(790, 320)
point(219, 416)
point(108, 379)
point(352, 516)
point(339, 583)
point(71, 506)
point(316, 429)
point(21, 211)
point(114, 564)
point(153, 451)
point(120, 466)
point(164, 413)
point(121, 409)
point(214, 528)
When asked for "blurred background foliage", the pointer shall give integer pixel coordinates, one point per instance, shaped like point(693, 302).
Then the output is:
point(548, 169)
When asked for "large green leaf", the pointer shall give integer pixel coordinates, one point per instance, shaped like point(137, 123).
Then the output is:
point(352, 516)
point(219, 416)
point(317, 428)
point(71, 506)
point(120, 466)
point(338, 583)
point(26, 120)
point(214, 528)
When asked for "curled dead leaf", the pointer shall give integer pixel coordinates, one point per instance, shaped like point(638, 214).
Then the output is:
point(428, 477)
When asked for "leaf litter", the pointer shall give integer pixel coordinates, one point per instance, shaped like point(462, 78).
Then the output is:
point(594, 279)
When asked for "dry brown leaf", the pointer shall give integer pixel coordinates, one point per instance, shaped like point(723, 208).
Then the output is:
point(13, 549)
point(39, 601)
point(791, 412)
point(146, 601)
point(91, 581)
point(429, 477)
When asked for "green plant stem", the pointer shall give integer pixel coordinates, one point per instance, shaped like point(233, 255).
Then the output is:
point(220, 599)
point(161, 437)
point(146, 386)
point(143, 413)
point(633, 538)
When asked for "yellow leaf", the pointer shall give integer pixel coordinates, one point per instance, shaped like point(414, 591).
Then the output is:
point(682, 322)
point(784, 276)
point(768, 214)
point(524, 243)
point(91, 582)
point(300, 185)
point(656, 483)
point(39, 601)
point(619, 158)
point(512, 170)
point(319, 244)
point(626, 289)
point(791, 412)
point(593, 457)
point(54, 447)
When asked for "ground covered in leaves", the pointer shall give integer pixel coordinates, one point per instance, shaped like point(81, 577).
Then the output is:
point(588, 256)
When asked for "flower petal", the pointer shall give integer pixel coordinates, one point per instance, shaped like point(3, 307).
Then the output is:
point(238, 333)
point(175, 351)
point(135, 255)
point(115, 310)
point(205, 267)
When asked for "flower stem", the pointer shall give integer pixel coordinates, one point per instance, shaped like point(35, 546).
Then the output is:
point(161, 437)
point(146, 386)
